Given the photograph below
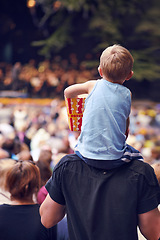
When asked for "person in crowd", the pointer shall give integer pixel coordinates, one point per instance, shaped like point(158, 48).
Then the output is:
point(43, 163)
point(103, 204)
point(21, 123)
point(10, 145)
point(3, 153)
point(24, 155)
point(106, 116)
point(5, 165)
point(45, 155)
point(15, 76)
point(20, 219)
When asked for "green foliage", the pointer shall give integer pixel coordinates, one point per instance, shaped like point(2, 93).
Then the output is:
point(73, 5)
point(146, 65)
point(56, 41)
point(134, 24)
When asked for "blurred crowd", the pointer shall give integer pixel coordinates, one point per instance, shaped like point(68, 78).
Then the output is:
point(145, 130)
point(34, 128)
point(47, 79)
point(31, 129)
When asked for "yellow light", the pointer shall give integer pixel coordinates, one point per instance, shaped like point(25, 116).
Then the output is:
point(41, 69)
point(31, 3)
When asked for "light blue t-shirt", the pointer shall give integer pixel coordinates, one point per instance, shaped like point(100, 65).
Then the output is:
point(107, 108)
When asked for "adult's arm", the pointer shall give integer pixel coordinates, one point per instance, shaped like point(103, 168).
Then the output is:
point(78, 89)
point(149, 224)
point(51, 212)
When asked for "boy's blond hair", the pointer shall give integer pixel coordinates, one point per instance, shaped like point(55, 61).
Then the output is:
point(116, 63)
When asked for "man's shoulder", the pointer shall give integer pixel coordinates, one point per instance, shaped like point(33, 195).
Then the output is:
point(137, 167)
point(144, 169)
point(68, 158)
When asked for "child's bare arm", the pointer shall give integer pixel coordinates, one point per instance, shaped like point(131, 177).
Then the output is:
point(82, 88)
point(127, 127)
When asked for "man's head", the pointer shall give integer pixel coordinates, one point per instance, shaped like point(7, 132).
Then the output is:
point(116, 64)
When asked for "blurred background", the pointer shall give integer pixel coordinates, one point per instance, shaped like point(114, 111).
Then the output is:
point(46, 38)
point(46, 45)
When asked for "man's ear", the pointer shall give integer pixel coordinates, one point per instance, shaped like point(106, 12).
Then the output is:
point(129, 75)
point(100, 71)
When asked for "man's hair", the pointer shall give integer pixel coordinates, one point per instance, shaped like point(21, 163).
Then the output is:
point(116, 63)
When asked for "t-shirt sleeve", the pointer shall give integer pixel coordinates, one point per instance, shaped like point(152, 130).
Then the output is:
point(53, 186)
point(148, 191)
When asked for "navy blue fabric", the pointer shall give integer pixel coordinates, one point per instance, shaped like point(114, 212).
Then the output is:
point(103, 204)
point(22, 222)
